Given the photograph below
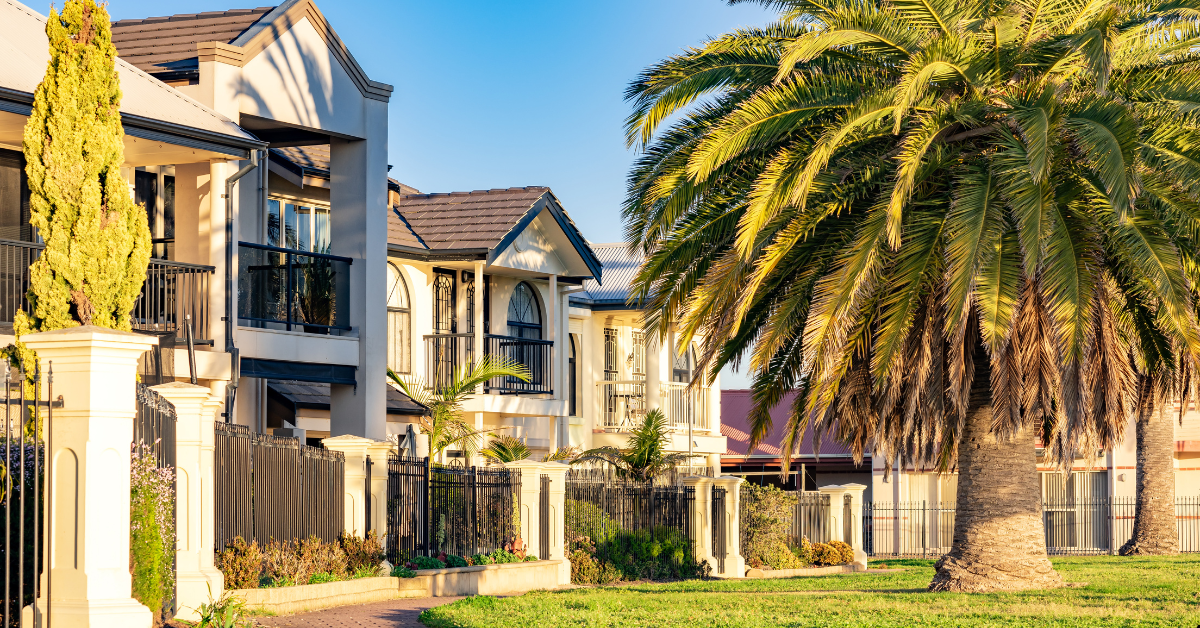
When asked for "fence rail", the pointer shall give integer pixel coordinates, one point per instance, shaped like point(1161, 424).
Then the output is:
point(535, 355)
point(1073, 527)
point(622, 403)
point(685, 405)
point(272, 487)
point(154, 425)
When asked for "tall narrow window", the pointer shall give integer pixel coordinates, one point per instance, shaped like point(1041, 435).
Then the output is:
point(639, 354)
point(683, 369)
point(273, 224)
point(611, 359)
point(444, 304)
point(399, 345)
point(168, 232)
point(321, 229)
point(573, 378)
point(524, 315)
point(469, 292)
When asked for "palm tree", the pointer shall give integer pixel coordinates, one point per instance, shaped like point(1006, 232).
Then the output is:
point(506, 448)
point(1154, 525)
point(444, 424)
point(562, 454)
point(955, 227)
point(644, 456)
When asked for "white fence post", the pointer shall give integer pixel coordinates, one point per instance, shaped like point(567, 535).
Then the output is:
point(95, 371)
point(196, 574)
point(855, 491)
point(531, 487)
point(558, 494)
point(735, 564)
point(355, 449)
point(702, 519)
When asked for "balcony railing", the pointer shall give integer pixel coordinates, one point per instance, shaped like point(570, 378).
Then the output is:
point(293, 289)
point(623, 405)
point(445, 353)
point(172, 292)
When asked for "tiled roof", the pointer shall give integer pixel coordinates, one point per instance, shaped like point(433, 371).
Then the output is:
point(309, 157)
point(735, 426)
point(620, 268)
point(459, 220)
point(316, 396)
point(149, 43)
point(24, 52)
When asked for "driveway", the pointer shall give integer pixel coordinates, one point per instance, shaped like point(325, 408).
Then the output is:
point(401, 613)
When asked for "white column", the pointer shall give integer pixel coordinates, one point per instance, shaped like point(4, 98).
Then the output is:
point(735, 565)
point(196, 575)
point(702, 519)
point(94, 370)
point(479, 346)
point(358, 230)
point(354, 448)
point(558, 494)
point(212, 251)
point(855, 491)
point(531, 478)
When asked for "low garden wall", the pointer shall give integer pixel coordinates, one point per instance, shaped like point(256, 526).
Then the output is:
point(507, 579)
point(807, 571)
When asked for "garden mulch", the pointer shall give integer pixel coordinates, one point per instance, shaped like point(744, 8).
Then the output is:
point(402, 613)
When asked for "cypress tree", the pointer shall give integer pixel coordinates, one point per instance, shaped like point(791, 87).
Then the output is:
point(97, 239)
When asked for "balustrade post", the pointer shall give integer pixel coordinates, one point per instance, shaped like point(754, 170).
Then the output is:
point(196, 574)
point(88, 472)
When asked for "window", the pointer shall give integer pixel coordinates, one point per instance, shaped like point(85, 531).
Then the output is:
point(14, 198)
point(683, 367)
point(611, 365)
point(639, 354)
point(524, 315)
point(300, 227)
point(398, 314)
point(573, 376)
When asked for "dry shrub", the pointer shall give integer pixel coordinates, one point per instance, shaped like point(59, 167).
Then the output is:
point(241, 563)
point(832, 553)
point(362, 553)
point(766, 520)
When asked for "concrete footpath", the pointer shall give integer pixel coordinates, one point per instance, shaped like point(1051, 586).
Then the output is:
point(402, 613)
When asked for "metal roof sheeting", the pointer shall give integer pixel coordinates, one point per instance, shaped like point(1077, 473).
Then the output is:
point(620, 268)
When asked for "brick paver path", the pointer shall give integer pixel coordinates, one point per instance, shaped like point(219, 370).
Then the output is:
point(401, 613)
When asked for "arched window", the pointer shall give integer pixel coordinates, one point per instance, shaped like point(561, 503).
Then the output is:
point(683, 367)
point(524, 314)
point(398, 321)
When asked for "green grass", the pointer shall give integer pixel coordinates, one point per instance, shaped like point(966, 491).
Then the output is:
point(1119, 592)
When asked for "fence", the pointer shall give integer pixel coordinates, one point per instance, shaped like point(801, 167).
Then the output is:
point(544, 517)
point(272, 487)
point(22, 493)
point(719, 548)
point(811, 518)
point(154, 425)
point(1073, 527)
point(611, 511)
point(434, 508)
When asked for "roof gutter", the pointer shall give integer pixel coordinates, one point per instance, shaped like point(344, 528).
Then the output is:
point(257, 157)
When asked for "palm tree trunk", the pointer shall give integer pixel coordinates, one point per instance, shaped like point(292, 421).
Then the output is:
point(1154, 531)
point(999, 538)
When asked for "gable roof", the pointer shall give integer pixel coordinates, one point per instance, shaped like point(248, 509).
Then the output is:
point(479, 222)
point(147, 105)
point(162, 43)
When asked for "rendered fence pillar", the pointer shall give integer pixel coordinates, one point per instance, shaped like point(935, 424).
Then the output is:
point(735, 565)
point(355, 449)
point(701, 519)
point(855, 491)
point(196, 575)
point(531, 488)
point(837, 517)
point(95, 372)
point(558, 499)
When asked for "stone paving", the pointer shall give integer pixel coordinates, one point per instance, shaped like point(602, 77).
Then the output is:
point(401, 613)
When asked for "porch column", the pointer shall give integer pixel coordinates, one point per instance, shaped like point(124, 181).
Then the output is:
point(558, 496)
point(556, 380)
point(358, 230)
point(354, 448)
point(195, 572)
point(735, 565)
point(531, 487)
point(211, 251)
point(701, 519)
point(94, 370)
point(479, 348)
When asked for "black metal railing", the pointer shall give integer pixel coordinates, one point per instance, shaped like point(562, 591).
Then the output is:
point(719, 548)
point(273, 487)
point(445, 354)
point(172, 291)
point(544, 517)
point(810, 519)
point(154, 425)
point(293, 289)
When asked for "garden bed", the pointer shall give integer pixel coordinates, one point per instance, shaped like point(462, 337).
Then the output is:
point(807, 571)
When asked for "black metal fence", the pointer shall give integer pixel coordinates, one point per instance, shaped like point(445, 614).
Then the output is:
point(154, 425)
point(536, 355)
point(811, 518)
point(613, 512)
point(1082, 527)
point(271, 487)
point(434, 508)
point(15, 258)
point(544, 517)
point(22, 492)
point(719, 548)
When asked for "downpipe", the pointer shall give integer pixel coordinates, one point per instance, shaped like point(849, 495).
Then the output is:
point(235, 365)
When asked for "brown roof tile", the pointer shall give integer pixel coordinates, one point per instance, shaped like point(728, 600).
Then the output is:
point(460, 220)
point(151, 42)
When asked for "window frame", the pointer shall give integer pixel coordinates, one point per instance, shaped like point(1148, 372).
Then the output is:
point(403, 353)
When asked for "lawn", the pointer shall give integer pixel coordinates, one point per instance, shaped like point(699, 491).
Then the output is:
point(1119, 592)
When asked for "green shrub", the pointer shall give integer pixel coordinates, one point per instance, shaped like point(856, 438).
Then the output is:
point(530, 559)
point(365, 572)
point(584, 518)
point(804, 551)
point(403, 571)
point(455, 561)
point(765, 515)
point(241, 564)
point(152, 531)
point(427, 562)
point(481, 559)
point(659, 554)
point(320, 578)
point(503, 556)
point(226, 611)
point(845, 552)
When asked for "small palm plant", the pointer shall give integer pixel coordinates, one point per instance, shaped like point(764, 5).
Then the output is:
point(444, 424)
point(645, 454)
point(562, 454)
point(506, 449)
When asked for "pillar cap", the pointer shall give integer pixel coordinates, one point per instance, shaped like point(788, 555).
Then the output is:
point(181, 390)
point(88, 335)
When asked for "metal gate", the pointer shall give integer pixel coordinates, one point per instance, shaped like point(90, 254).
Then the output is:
point(544, 515)
point(22, 492)
point(406, 507)
point(718, 528)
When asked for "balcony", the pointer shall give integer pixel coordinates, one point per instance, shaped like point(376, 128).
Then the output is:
point(173, 291)
point(293, 290)
point(445, 353)
point(623, 405)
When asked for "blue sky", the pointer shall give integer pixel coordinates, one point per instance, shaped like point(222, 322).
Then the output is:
point(494, 94)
